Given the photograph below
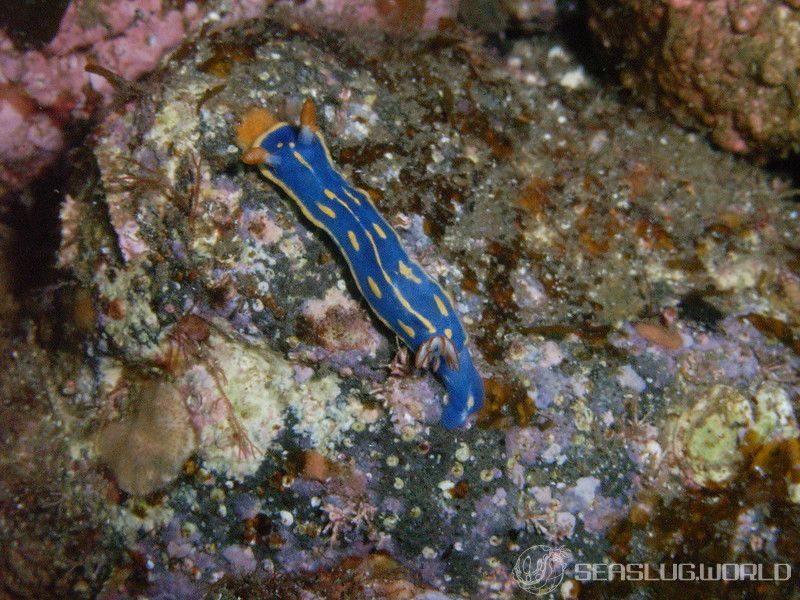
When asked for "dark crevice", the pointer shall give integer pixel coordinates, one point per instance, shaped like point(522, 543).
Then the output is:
point(32, 23)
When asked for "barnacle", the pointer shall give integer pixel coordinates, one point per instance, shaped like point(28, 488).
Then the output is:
point(714, 437)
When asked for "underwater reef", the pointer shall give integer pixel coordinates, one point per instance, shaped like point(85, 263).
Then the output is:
point(203, 406)
point(726, 67)
point(48, 96)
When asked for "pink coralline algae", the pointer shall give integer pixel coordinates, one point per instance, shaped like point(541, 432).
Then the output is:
point(31, 139)
point(339, 324)
point(728, 67)
point(44, 90)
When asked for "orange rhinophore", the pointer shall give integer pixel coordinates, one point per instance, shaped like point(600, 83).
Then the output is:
point(308, 115)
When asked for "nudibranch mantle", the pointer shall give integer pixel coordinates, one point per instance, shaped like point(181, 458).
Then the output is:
point(397, 289)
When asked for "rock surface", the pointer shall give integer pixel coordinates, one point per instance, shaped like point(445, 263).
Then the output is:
point(614, 273)
point(728, 67)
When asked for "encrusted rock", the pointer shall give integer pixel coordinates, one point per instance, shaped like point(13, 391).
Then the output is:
point(728, 67)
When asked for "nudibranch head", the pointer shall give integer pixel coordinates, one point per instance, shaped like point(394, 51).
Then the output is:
point(272, 144)
point(255, 122)
point(464, 390)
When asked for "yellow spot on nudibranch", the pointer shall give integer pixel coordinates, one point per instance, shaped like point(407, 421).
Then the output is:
point(353, 198)
point(407, 305)
point(279, 144)
point(409, 331)
point(379, 230)
point(449, 333)
point(374, 286)
point(302, 160)
point(470, 402)
point(291, 144)
point(406, 272)
point(397, 292)
point(440, 305)
point(353, 240)
point(327, 210)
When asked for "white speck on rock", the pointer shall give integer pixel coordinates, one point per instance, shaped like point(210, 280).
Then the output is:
point(575, 79)
point(628, 378)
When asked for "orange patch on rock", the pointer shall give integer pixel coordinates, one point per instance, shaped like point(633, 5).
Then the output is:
point(659, 335)
point(316, 466)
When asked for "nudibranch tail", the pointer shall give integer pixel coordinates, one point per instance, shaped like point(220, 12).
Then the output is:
point(464, 390)
point(400, 293)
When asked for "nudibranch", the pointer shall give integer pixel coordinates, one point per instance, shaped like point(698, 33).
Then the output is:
point(397, 289)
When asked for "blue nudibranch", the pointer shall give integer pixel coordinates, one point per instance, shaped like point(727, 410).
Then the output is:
point(400, 293)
